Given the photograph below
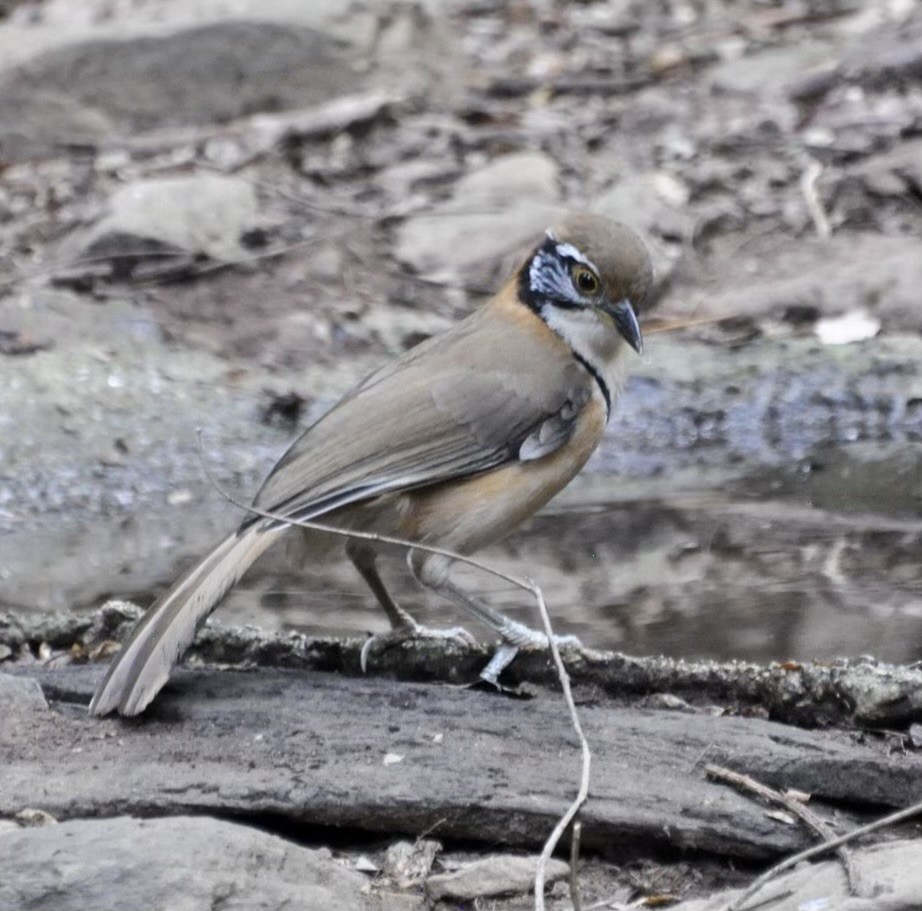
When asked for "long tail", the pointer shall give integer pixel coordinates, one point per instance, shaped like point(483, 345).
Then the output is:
point(164, 633)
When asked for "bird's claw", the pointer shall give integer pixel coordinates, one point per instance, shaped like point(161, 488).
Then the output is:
point(404, 634)
point(516, 637)
point(521, 636)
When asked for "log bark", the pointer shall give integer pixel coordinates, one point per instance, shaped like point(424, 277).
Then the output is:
point(319, 749)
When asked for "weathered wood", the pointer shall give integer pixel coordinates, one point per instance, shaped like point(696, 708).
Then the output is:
point(382, 755)
point(862, 692)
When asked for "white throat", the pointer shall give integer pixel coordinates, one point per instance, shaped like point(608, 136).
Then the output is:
point(594, 342)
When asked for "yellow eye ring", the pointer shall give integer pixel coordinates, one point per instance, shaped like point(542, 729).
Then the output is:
point(585, 280)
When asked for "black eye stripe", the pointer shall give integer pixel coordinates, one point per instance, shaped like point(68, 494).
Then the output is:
point(552, 276)
point(553, 246)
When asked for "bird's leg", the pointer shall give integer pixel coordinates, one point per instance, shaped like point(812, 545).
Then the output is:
point(365, 559)
point(403, 627)
point(434, 571)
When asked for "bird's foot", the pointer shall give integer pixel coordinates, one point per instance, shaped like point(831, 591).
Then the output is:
point(409, 632)
point(517, 636)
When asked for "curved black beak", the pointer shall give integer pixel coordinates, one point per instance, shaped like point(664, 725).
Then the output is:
point(626, 322)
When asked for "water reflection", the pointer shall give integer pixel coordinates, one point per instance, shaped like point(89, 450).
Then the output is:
point(791, 564)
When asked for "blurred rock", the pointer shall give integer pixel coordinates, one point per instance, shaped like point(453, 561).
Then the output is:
point(865, 271)
point(18, 694)
point(179, 862)
point(407, 862)
point(86, 83)
point(853, 122)
point(493, 213)
point(85, 93)
point(890, 55)
point(887, 56)
point(501, 874)
point(895, 173)
point(889, 876)
point(201, 215)
point(34, 818)
point(766, 72)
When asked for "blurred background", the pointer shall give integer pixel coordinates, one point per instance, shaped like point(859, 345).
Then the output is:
point(220, 214)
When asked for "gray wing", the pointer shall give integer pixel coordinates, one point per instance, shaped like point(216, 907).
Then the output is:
point(426, 418)
point(421, 420)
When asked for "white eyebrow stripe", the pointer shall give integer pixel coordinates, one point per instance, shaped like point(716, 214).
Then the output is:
point(571, 252)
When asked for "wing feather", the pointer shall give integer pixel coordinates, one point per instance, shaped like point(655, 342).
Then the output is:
point(427, 418)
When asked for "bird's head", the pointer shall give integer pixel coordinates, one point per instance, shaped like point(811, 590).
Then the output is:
point(588, 273)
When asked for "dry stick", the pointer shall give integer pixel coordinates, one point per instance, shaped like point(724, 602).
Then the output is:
point(574, 858)
point(660, 324)
point(815, 209)
point(794, 806)
point(84, 262)
point(103, 259)
point(526, 585)
point(847, 838)
point(583, 792)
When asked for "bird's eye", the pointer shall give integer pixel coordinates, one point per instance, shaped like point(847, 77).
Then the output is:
point(585, 280)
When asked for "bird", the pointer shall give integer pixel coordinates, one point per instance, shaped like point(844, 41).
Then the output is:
point(453, 445)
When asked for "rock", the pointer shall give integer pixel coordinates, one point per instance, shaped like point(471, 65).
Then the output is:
point(892, 173)
point(205, 214)
point(848, 272)
point(407, 862)
point(18, 694)
point(493, 213)
point(190, 863)
point(501, 874)
point(86, 92)
point(768, 71)
point(32, 818)
point(889, 876)
point(886, 56)
point(64, 84)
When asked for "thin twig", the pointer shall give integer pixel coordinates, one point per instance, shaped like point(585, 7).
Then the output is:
point(525, 584)
point(574, 860)
point(808, 182)
point(795, 807)
point(660, 324)
point(247, 259)
point(102, 259)
point(826, 846)
point(583, 792)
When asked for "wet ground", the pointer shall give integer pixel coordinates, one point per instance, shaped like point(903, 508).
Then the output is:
point(765, 513)
point(759, 494)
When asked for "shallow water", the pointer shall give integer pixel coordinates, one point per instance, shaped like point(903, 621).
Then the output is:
point(761, 503)
point(773, 567)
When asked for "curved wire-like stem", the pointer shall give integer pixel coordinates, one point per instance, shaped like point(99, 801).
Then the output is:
point(527, 585)
point(583, 792)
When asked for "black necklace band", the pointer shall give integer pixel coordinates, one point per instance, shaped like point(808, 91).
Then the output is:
point(600, 382)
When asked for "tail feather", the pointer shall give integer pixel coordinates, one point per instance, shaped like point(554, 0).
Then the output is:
point(162, 636)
